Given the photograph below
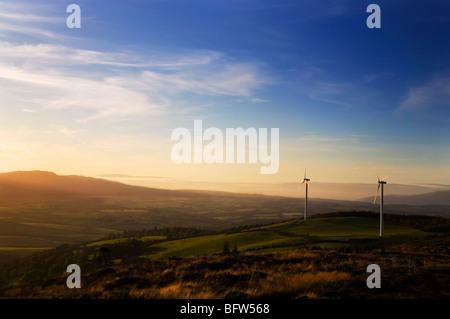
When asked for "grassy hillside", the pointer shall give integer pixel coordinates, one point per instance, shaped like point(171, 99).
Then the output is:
point(280, 260)
point(20, 239)
point(119, 240)
point(329, 232)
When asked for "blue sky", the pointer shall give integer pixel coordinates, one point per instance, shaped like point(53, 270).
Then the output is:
point(104, 99)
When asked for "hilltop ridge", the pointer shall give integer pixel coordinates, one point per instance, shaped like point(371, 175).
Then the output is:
point(41, 183)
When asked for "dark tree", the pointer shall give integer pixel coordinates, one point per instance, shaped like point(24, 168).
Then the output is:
point(226, 248)
point(104, 256)
point(235, 249)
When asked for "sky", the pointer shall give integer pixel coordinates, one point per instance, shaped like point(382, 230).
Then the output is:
point(103, 100)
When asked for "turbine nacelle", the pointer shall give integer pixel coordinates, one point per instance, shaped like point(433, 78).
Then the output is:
point(380, 182)
point(305, 180)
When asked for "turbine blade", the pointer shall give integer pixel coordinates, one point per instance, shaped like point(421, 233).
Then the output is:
point(376, 194)
point(305, 174)
point(303, 182)
point(384, 178)
point(376, 173)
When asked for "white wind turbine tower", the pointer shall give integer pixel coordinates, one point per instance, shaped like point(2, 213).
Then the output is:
point(306, 180)
point(380, 182)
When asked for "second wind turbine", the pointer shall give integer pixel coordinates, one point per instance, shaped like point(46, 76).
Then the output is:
point(381, 182)
point(306, 180)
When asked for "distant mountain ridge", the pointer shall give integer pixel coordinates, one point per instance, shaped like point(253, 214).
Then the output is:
point(42, 183)
point(22, 184)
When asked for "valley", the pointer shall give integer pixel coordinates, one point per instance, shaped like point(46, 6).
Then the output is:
point(41, 210)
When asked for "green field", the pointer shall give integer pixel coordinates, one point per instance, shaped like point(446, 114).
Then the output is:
point(320, 232)
point(118, 240)
point(20, 239)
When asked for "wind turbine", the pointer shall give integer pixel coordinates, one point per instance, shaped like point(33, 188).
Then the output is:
point(380, 182)
point(306, 180)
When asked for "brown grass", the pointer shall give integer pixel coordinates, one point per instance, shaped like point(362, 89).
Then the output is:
point(406, 273)
point(304, 284)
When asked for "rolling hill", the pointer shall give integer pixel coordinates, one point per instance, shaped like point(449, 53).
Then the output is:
point(325, 232)
point(41, 183)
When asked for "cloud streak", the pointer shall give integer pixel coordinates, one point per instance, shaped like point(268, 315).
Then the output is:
point(55, 77)
point(229, 79)
point(60, 91)
point(13, 150)
point(433, 94)
point(30, 19)
point(48, 54)
point(63, 130)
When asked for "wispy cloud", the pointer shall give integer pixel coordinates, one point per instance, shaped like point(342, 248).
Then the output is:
point(63, 130)
point(54, 90)
point(319, 85)
point(44, 54)
point(53, 77)
point(313, 137)
point(337, 93)
point(434, 93)
point(30, 19)
point(258, 100)
point(30, 31)
point(371, 77)
point(29, 110)
point(13, 150)
point(221, 79)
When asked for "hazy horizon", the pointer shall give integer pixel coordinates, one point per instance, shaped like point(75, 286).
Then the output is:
point(325, 190)
point(318, 190)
